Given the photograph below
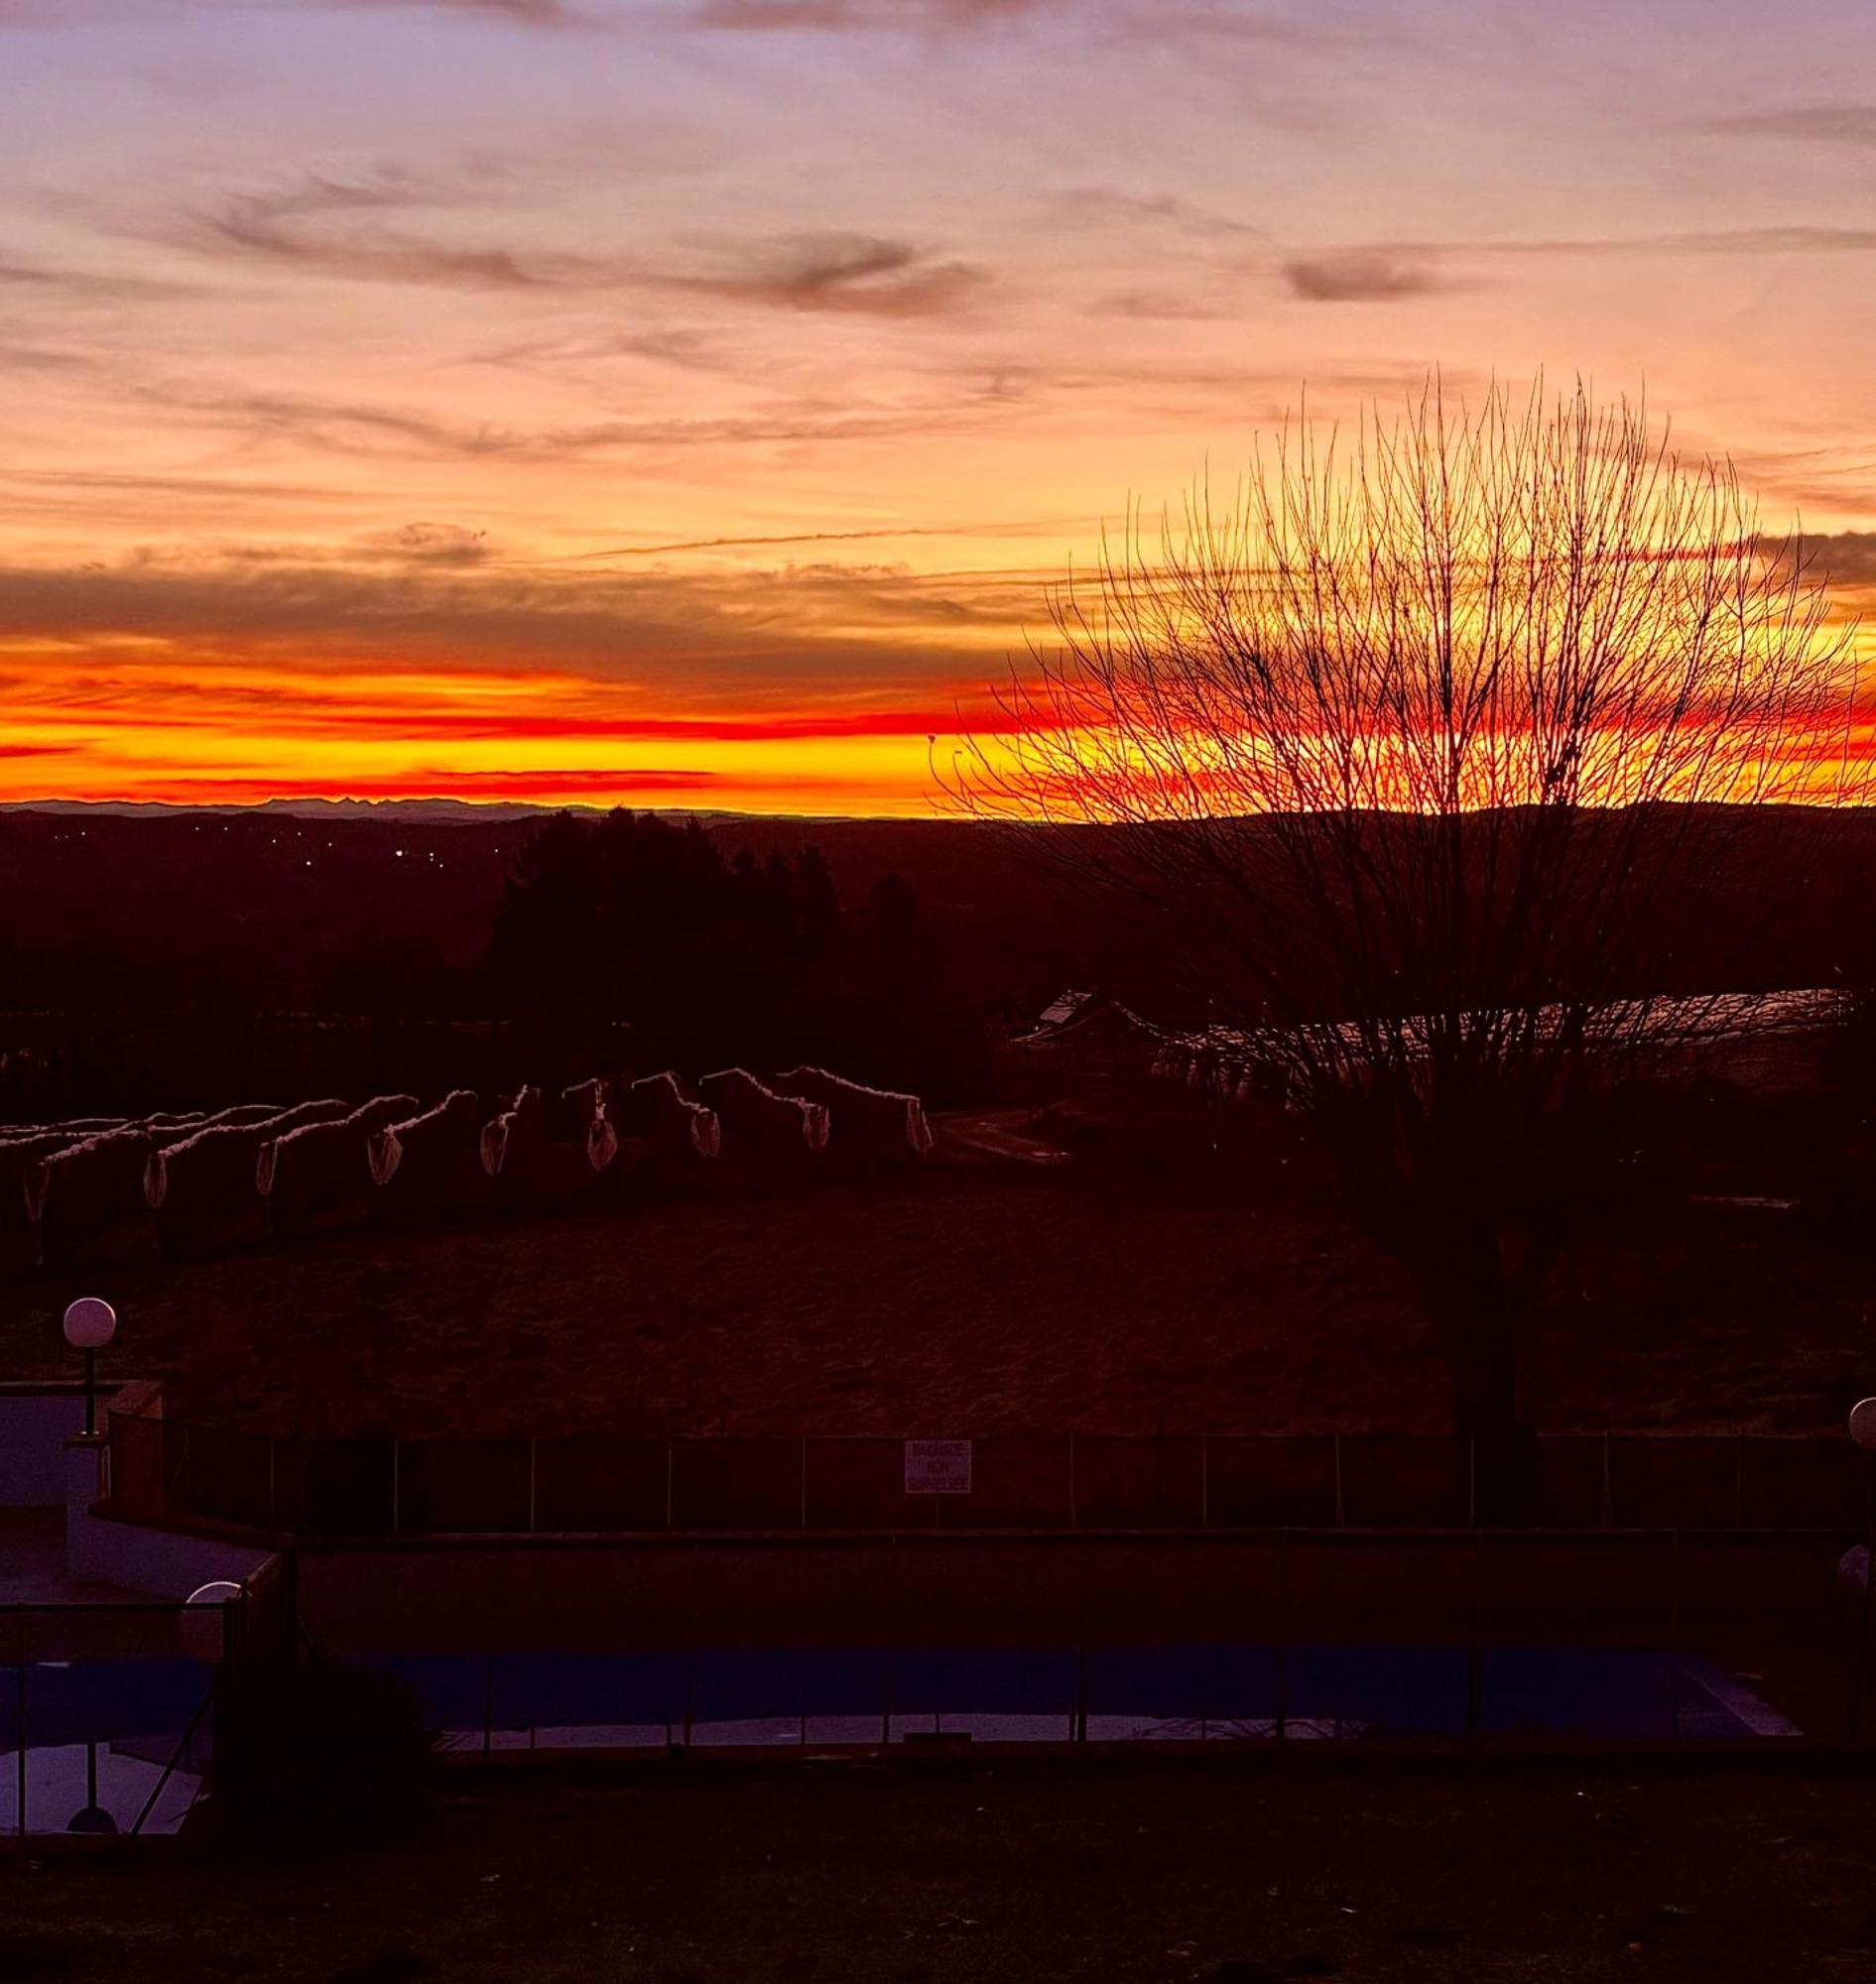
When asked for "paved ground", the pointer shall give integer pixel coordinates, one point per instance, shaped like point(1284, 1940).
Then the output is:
point(32, 1563)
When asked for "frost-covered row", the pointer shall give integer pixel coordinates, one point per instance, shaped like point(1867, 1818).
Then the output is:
point(107, 1187)
point(875, 1123)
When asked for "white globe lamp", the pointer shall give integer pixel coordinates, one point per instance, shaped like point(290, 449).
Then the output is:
point(90, 1323)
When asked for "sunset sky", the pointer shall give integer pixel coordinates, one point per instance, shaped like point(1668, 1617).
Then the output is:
point(687, 402)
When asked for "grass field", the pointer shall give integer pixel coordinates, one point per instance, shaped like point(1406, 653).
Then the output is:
point(1164, 1876)
point(983, 1294)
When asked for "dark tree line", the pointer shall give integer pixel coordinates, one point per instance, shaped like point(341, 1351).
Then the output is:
point(633, 940)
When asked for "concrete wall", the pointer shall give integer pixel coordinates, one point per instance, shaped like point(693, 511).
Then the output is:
point(159, 1564)
point(35, 1421)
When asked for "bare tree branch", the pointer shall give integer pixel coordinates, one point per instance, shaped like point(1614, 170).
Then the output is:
point(1415, 747)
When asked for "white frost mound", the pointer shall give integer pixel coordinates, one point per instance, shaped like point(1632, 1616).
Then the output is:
point(88, 1183)
point(549, 1146)
point(520, 1123)
point(431, 1144)
point(756, 1116)
point(656, 1106)
point(213, 1169)
point(878, 1121)
point(319, 1162)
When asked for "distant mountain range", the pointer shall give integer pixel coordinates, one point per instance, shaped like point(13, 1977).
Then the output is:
point(429, 812)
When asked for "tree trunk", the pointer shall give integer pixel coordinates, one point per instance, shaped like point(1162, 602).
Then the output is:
point(1476, 1316)
point(1489, 1417)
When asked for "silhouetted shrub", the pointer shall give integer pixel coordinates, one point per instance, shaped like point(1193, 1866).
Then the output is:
point(321, 1746)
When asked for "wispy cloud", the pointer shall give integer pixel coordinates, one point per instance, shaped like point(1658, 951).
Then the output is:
point(1107, 206)
point(1796, 238)
point(371, 431)
point(776, 15)
point(768, 637)
point(54, 278)
point(294, 225)
point(1393, 270)
point(1835, 123)
point(541, 13)
point(338, 228)
point(49, 14)
point(865, 274)
point(1841, 558)
point(1002, 530)
point(1165, 305)
point(603, 784)
point(1362, 276)
point(448, 545)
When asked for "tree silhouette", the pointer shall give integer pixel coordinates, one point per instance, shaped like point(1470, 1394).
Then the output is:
point(1417, 755)
point(634, 922)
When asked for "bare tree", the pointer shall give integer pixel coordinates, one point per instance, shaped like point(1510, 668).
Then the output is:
point(1418, 750)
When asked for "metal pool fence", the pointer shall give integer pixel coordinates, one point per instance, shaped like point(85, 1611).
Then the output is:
point(166, 1468)
point(1495, 1638)
point(106, 1713)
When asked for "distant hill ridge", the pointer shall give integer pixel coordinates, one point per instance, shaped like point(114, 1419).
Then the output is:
point(429, 812)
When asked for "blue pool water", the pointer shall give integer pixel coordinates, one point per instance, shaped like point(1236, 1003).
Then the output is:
point(101, 1736)
point(117, 1723)
point(836, 1695)
point(100, 1701)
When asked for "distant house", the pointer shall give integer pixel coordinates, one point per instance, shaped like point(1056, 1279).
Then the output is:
point(1086, 1035)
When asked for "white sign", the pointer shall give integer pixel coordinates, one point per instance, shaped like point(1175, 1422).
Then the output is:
point(938, 1467)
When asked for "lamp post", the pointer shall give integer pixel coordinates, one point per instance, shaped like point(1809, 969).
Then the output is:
point(1864, 1433)
point(90, 1323)
point(93, 1817)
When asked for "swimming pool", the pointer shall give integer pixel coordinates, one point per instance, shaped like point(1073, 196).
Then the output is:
point(91, 1737)
point(113, 1725)
point(845, 1695)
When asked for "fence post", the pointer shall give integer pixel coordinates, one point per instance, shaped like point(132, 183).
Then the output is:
point(1475, 1657)
point(1285, 1627)
point(533, 1501)
point(1471, 1481)
point(1075, 1518)
point(19, 1715)
point(176, 1495)
point(892, 1641)
point(222, 1736)
point(397, 1486)
point(1609, 1492)
point(669, 1507)
point(1860, 1676)
point(1341, 1507)
point(1674, 1638)
point(804, 1483)
point(1204, 1481)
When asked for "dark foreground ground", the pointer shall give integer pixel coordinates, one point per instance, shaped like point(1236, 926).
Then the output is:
point(1157, 1874)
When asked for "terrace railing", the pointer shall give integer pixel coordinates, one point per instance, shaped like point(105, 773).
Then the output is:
point(165, 1468)
point(106, 1706)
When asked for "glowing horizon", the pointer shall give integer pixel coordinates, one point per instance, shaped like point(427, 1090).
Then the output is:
point(689, 402)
